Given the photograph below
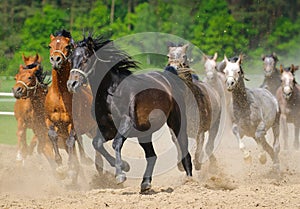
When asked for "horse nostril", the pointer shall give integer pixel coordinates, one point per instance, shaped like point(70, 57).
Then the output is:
point(51, 58)
point(19, 89)
point(74, 84)
point(58, 59)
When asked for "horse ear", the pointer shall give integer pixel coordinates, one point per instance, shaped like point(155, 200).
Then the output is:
point(275, 57)
point(185, 47)
point(21, 68)
point(226, 60)
point(90, 42)
point(281, 68)
point(204, 57)
point(215, 56)
point(239, 61)
point(38, 58)
point(24, 58)
point(52, 37)
point(294, 68)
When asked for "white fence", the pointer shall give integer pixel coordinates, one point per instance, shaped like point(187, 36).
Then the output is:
point(5, 94)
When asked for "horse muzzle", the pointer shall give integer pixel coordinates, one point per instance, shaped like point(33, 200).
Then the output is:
point(230, 83)
point(287, 92)
point(17, 92)
point(73, 86)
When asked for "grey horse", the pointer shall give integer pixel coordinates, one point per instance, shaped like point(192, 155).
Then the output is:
point(209, 106)
point(254, 112)
point(272, 75)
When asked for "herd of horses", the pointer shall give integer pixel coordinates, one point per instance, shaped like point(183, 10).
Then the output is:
point(94, 92)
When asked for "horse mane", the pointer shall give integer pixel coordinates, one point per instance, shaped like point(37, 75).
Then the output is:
point(39, 73)
point(172, 44)
point(110, 53)
point(66, 34)
point(63, 33)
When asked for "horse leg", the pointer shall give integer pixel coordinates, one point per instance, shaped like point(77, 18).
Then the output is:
point(98, 142)
point(33, 144)
point(72, 161)
point(179, 126)
point(118, 142)
point(84, 159)
point(259, 134)
point(247, 156)
point(276, 143)
point(179, 156)
point(284, 130)
point(211, 145)
point(22, 145)
point(296, 140)
point(54, 138)
point(99, 162)
point(151, 157)
point(199, 150)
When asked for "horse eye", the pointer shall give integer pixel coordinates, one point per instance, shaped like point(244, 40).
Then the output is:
point(29, 77)
point(49, 47)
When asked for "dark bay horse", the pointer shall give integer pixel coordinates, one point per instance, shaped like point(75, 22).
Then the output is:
point(30, 86)
point(288, 96)
point(23, 113)
point(208, 105)
point(128, 105)
point(254, 112)
point(272, 75)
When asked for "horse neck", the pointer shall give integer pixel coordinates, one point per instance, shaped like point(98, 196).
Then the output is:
point(59, 80)
point(274, 75)
point(37, 101)
point(239, 96)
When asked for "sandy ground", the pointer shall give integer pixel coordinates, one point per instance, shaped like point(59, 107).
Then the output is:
point(235, 184)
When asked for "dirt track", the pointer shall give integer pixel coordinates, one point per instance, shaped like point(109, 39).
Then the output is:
point(234, 185)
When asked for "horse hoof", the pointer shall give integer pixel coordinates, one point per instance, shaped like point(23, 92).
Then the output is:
point(248, 159)
point(180, 167)
point(121, 178)
point(197, 165)
point(125, 166)
point(276, 168)
point(145, 186)
point(61, 172)
point(263, 159)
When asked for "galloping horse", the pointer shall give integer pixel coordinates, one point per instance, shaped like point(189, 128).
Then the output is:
point(30, 86)
point(23, 113)
point(254, 112)
point(272, 75)
point(215, 78)
point(288, 96)
point(58, 102)
point(128, 105)
point(208, 105)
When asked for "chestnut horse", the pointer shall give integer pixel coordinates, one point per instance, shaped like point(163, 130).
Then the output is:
point(30, 87)
point(58, 103)
point(60, 112)
point(23, 113)
point(288, 96)
point(128, 105)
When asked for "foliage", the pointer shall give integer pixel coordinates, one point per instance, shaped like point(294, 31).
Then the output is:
point(228, 27)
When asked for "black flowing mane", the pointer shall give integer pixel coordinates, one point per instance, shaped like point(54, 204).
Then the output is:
point(109, 53)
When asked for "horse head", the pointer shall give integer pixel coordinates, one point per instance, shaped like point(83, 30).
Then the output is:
point(269, 63)
point(60, 47)
point(177, 57)
point(210, 66)
point(288, 80)
point(27, 80)
point(233, 72)
point(80, 64)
